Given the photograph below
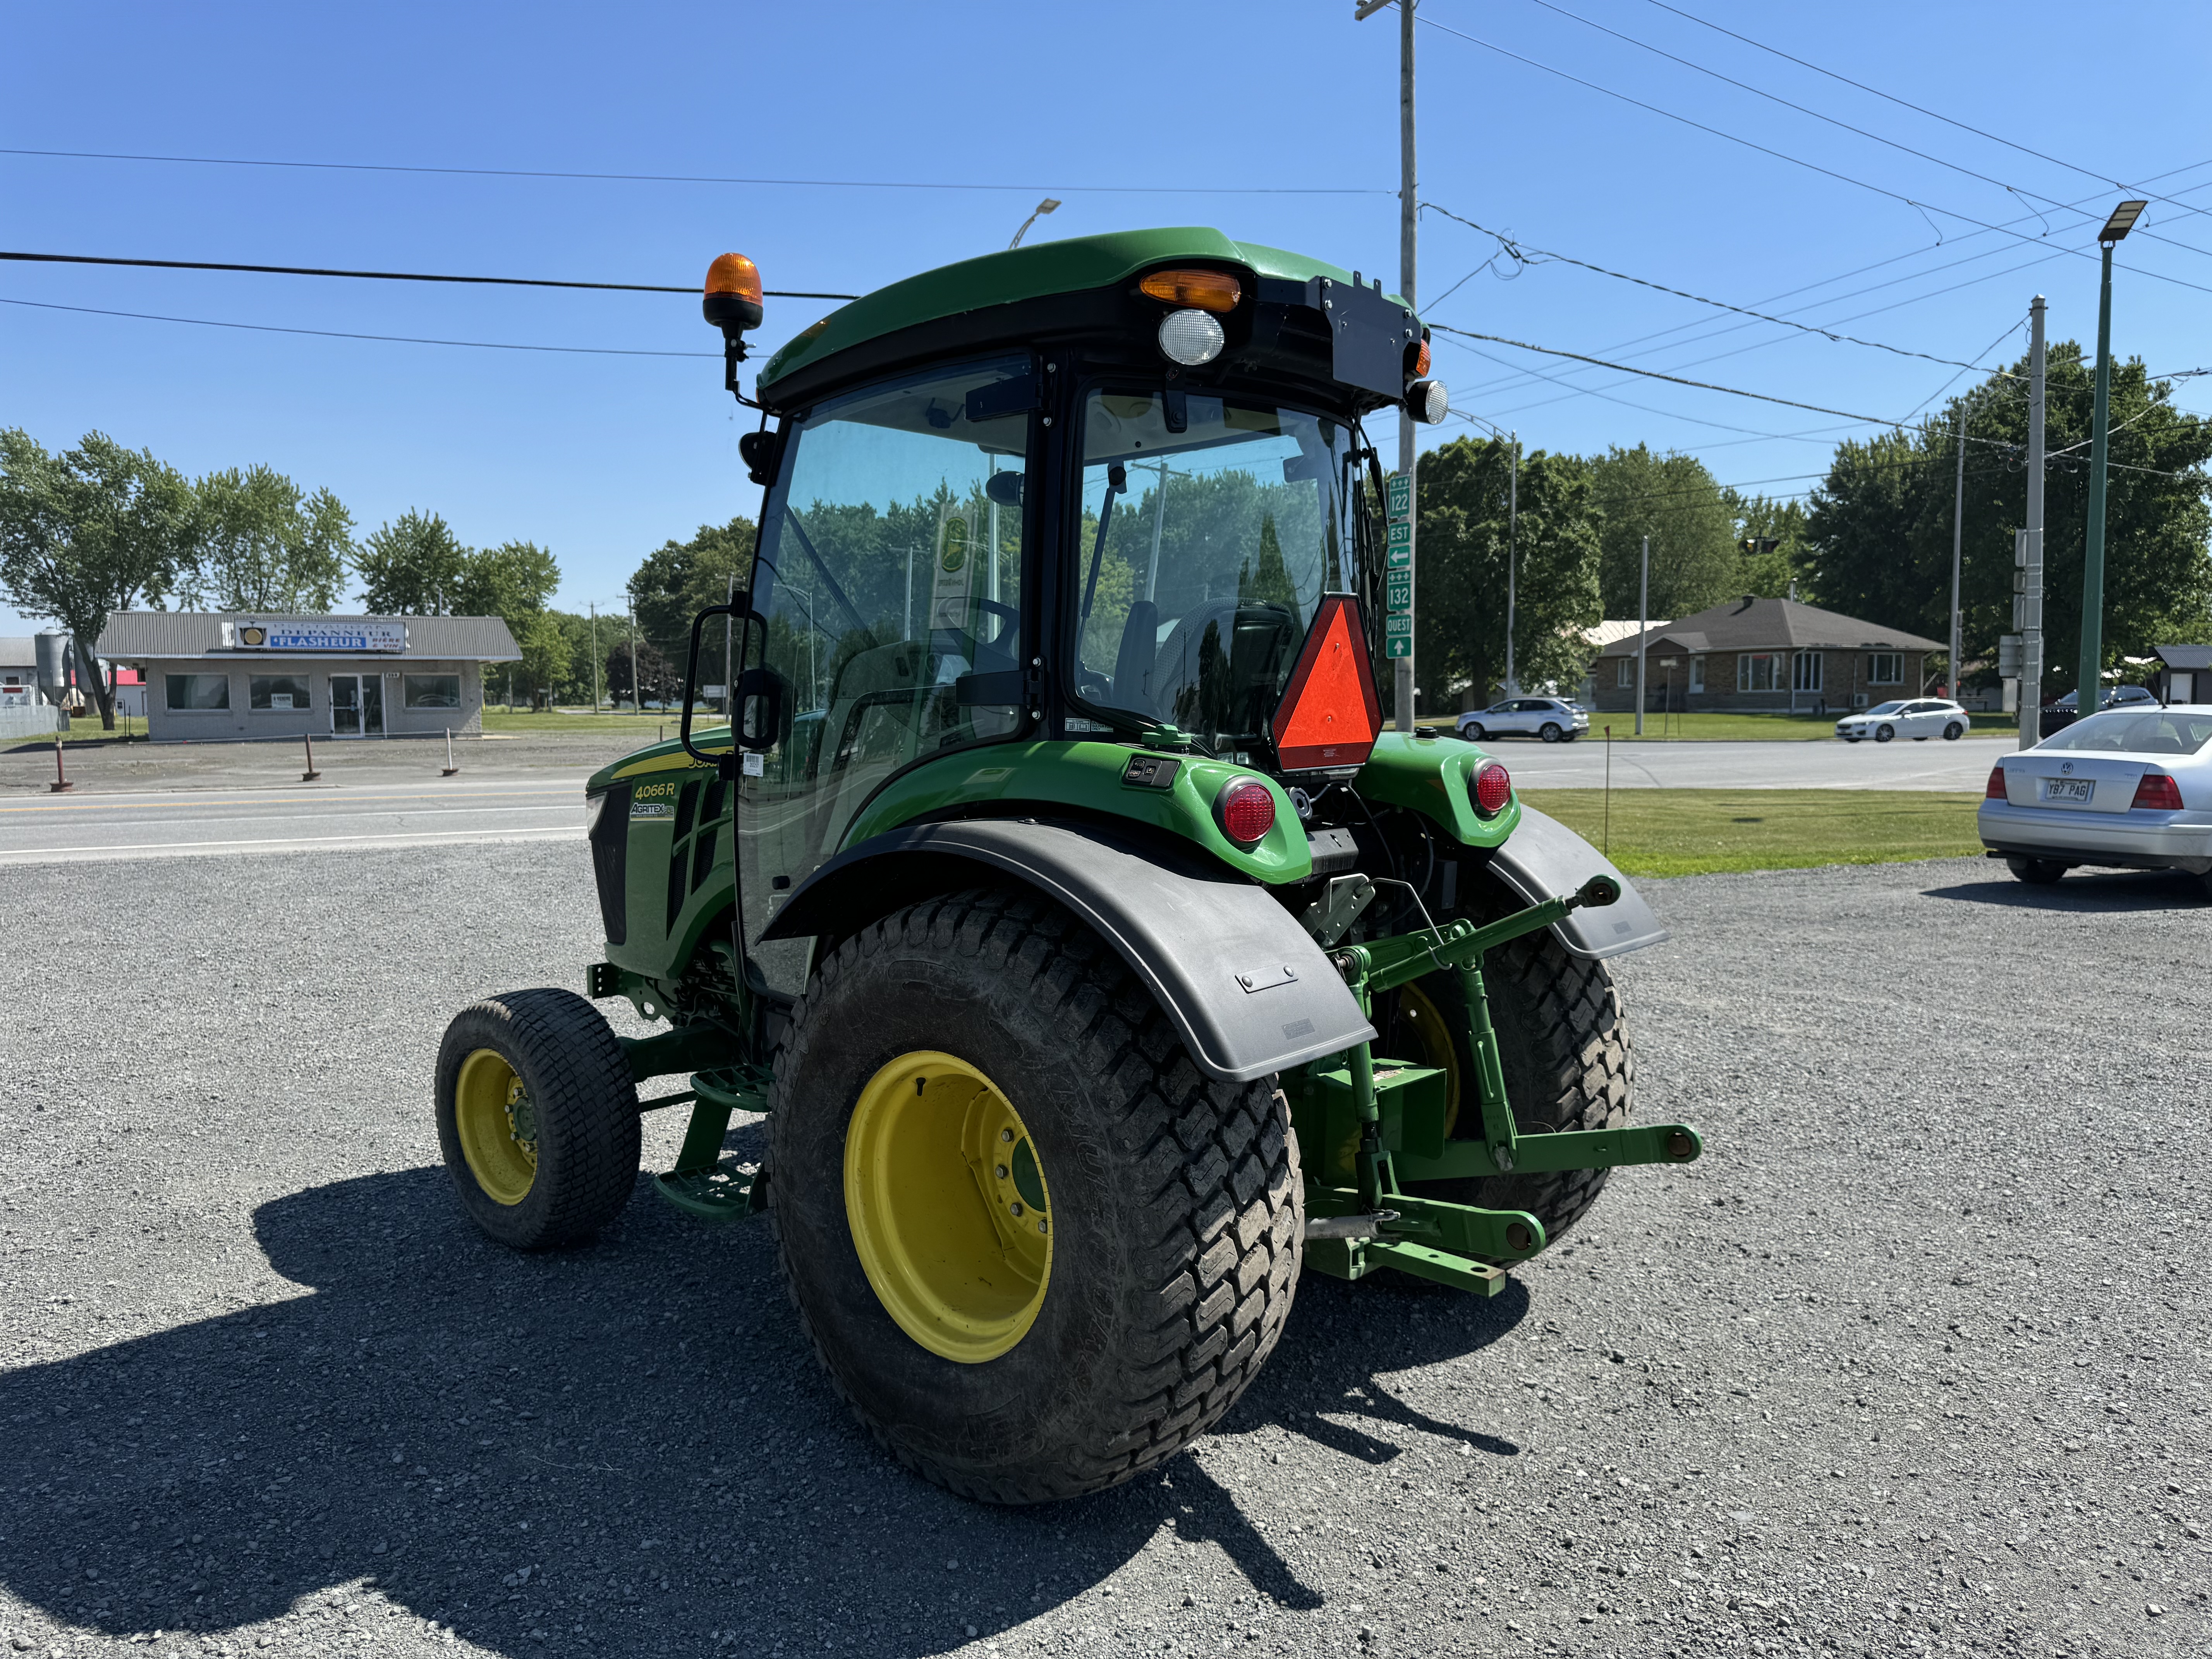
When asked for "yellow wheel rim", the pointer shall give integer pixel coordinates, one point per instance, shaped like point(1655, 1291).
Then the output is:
point(1434, 1039)
point(950, 1212)
point(497, 1123)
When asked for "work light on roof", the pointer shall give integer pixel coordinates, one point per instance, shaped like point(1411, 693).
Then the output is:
point(1427, 401)
point(1190, 337)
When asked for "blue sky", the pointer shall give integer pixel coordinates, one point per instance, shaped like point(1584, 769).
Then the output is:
point(1137, 113)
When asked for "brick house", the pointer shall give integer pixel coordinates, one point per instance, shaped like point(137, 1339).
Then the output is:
point(1766, 656)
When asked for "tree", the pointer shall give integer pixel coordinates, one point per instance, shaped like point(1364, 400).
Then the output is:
point(514, 581)
point(1760, 519)
point(679, 580)
point(546, 655)
point(1674, 500)
point(261, 545)
point(411, 566)
point(1879, 528)
point(1463, 535)
point(96, 529)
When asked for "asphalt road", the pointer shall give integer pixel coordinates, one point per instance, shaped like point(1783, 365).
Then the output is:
point(180, 823)
point(1915, 1360)
point(1830, 764)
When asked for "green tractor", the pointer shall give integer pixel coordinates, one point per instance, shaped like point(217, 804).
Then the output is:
point(1054, 887)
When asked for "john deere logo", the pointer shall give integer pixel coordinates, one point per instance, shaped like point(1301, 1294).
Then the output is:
point(254, 635)
point(956, 545)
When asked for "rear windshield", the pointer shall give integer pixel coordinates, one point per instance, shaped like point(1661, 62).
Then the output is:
point(1206, 548)
point(2137, 732)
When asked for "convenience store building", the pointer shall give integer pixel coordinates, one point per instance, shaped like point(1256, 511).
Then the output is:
point(215, 677)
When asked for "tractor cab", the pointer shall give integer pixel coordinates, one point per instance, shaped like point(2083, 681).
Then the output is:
point(1090, 489)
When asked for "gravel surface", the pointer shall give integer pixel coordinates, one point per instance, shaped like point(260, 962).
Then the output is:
point(1914, 1360)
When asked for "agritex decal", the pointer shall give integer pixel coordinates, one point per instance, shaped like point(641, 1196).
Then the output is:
point(653, 800)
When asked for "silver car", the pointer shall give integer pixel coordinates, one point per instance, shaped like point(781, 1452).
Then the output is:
point(1553, 719)
point(2128, 789)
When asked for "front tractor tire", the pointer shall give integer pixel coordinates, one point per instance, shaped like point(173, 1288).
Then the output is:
point(1563, 1046)
point(1037, 1250)
point(536, 1117)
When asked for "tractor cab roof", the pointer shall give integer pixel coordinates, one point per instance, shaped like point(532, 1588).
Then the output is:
point(1294, 317)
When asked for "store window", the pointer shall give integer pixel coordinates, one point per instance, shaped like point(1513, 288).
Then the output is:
point(1754, 672)
point(1886, 668)
point(430, 690)
point(277, 693)
point(1806, 672)
point(196, 692)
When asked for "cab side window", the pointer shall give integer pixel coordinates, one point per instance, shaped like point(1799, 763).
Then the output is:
point(889, 574)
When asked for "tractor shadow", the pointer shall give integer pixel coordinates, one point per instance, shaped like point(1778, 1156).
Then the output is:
point(628, 1447)
point(2104, 893)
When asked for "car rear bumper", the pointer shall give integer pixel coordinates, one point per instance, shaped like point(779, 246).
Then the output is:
point(2129, 840)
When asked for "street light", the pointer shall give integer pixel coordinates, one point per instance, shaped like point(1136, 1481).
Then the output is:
point(1046, 206)
point(2088, 686)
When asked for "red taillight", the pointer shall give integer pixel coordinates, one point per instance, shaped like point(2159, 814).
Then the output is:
point(1994, 789)
point(1493, 787)
point(1245, 810)
point(2156, 792)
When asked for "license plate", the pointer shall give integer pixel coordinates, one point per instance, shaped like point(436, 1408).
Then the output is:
point(2074, 792)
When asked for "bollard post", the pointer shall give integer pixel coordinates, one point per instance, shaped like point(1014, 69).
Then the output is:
point(310, 774)
point(450, 768)
point(61, 779)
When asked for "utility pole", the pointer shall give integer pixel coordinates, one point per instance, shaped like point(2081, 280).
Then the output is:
point(1958, 529)
point(2030, 619)
point(636, 692)
point(2088, 688)
point(595, 657)
point(1512, 525)
point(1408, 216)
point(1642, 628)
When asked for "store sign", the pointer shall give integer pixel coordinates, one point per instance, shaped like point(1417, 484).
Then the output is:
point(314, 633)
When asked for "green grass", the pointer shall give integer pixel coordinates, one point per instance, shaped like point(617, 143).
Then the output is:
point(83, 729)
point(1696, 832)
point(632, 729)
point(1704, 727)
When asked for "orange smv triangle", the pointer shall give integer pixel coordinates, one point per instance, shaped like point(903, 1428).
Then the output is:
point(1329, 715)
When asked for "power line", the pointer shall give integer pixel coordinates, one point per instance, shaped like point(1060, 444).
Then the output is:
point(337, 334)
point(699, 179)
point(389, 275)
point(1654, 375)
point(1923, 208)
point(1920, 109)
point(1513, 251)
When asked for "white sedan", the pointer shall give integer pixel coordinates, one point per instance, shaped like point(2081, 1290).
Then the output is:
point(1554, 719)
point(2124, 789)
point(1918, 718)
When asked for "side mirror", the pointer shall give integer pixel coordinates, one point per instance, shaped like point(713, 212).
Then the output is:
point(757, 709)
point(762, 453)
point(1004, 488)
point(738, 610)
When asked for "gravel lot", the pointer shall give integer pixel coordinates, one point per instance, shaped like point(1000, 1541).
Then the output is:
point(1915, 1360)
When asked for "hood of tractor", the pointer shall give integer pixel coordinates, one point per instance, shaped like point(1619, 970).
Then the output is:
point(657, 757)
point(1082, 287)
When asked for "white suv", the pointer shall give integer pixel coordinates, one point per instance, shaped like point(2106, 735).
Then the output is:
point(1553, 719)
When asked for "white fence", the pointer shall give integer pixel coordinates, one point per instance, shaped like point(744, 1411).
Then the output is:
point(29, 721)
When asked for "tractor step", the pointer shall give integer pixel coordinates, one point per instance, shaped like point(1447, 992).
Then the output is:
point(722, 1192)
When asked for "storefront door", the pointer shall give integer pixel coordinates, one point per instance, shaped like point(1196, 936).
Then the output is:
point(357, 705)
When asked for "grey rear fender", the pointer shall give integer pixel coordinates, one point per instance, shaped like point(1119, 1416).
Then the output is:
point(1543, 859)
point(1247, 987)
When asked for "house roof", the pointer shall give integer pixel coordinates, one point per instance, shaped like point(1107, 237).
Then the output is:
point(138, 636)
point(1754, 624)
point(1603, 634)
point(18, 651)
point(2173, 656)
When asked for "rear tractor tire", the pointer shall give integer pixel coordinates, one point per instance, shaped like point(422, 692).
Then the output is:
point(1037, 1250)
point(536, 1117)
point(1568, 1061)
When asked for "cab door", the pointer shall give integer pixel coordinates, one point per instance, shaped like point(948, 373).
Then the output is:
point(890, 587)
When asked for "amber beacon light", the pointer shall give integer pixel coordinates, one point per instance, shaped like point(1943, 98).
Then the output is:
point(1209, 290)
point(733, 302)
